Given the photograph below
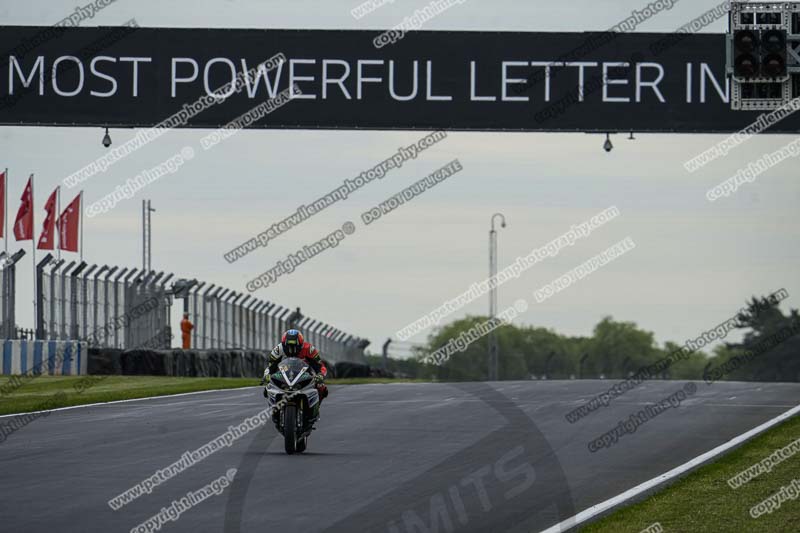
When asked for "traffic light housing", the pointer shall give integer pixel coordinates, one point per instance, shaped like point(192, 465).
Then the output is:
point(763, 54)
point(760, 53)
point(745, 46)
point(773, 53)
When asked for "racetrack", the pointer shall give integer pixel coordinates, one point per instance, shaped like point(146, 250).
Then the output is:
point(396, 458)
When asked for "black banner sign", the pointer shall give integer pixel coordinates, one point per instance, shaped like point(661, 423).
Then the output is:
point(495, 81)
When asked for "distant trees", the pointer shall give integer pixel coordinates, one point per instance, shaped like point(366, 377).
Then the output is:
point(770, 351)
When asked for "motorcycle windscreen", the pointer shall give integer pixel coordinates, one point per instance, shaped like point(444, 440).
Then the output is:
point(292, 367)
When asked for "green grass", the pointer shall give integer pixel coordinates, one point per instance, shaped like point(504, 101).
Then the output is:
point(704, 502)
point(43, 392)
point(49, 392)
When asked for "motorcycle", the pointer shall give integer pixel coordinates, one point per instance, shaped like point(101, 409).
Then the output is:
point(294, 400)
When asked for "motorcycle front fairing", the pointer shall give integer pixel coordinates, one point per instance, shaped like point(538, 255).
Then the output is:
point(293, 378)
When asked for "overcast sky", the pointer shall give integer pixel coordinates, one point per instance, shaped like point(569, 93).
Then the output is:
point(694, 264)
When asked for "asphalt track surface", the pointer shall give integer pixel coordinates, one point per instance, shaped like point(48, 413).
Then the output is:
point(393, 458)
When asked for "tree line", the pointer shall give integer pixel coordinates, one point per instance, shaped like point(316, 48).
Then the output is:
point(769, 351)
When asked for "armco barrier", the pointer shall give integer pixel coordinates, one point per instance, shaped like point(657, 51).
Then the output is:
point(55, 358)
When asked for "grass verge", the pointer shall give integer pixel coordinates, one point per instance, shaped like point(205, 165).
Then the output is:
point(703, 500)
point(50, 392)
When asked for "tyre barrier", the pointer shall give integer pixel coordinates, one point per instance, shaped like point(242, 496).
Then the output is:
point(178, 363)
point(352, 370)
point(198, 363)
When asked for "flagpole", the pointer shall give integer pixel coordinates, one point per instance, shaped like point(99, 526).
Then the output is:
point(33, 256)
point(58, 211)
point(80, 221)
point(6, 282)
point(5, 209)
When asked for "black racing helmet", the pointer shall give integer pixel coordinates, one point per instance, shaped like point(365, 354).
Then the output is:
point(292, 342)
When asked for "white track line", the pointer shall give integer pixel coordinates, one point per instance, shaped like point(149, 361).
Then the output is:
point(126, 401)
point(154, 398)
point(595, 510)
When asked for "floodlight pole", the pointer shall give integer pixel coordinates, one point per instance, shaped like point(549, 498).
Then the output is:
point(147, 236)
point(493, 348)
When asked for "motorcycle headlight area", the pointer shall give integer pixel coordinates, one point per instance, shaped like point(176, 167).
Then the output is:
point(293, 379)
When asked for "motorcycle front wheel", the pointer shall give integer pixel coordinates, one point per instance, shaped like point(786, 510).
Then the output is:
point(290, 428)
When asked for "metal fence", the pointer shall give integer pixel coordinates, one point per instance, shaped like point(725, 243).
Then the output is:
point(115, 307)
point(109, 307)
point(8, 283)
point(223, 319)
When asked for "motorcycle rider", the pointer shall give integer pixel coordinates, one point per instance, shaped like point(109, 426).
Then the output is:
point(294, 345)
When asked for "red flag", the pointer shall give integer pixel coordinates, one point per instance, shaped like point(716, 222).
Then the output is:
point(23, 224)
point(48, 236)
point(2, 203)
point(68, 226)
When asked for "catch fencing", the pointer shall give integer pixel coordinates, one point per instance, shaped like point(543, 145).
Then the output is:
point(107, 306)
point(8, 282)
point(225, 319)
point(128, 308)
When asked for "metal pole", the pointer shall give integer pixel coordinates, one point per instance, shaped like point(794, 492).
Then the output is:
point(239, 323)
point(52, 334)
point(58, 212)
point(144, 235)
point(206, 318)
point(266, 339)
point(80, 222)
point(74, 319)
point(149, 210)
point(235, 323)
point(162, 319)
point(276, 326)
point(493, 348)
point(62, 334)
point(220, 317)
point(224, 307)
point(106, 284)
point(149, 238)
point(259, 325)
point(33, 249)
point(85, 290)
point(5, 208)
point(11, 273)
point(96, 301)
point(267, 335)
point(194, 292)
point(386, 354)
point(126, 289)
point(252, 323)
point(4, 305)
